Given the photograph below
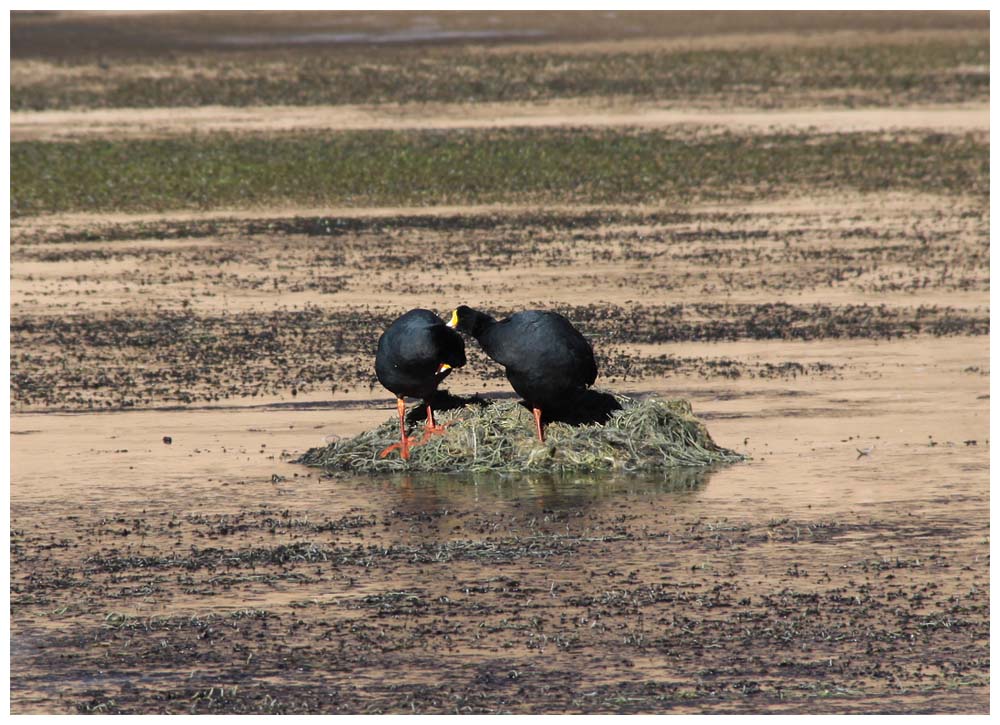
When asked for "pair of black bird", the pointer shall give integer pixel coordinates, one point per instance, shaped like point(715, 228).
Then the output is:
point(548, 362)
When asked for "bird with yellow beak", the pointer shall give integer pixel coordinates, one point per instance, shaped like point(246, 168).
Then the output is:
point(548, 362)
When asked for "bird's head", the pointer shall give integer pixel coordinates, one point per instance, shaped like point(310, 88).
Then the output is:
point(470, 321)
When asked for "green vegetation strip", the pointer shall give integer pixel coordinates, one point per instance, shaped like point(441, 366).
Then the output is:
point(499, 436)
point(512, 165)
point(877, 74)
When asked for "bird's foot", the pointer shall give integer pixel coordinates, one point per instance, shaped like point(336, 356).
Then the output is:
point(404, 446)
point(435, 429)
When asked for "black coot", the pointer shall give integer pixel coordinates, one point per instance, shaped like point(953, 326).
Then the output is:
point(414, 355)
point(548, 362)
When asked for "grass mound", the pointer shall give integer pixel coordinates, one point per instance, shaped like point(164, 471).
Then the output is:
point(609, 433)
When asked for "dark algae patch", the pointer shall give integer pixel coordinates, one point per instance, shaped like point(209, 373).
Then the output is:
point(614, 602)
point(868, 73)
point(610, 433)
point(137, 360)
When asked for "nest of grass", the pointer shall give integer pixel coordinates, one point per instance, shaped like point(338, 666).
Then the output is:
point(605, 433)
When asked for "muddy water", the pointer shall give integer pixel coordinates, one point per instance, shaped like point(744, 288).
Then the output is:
point(814, 578)
point(844, 568)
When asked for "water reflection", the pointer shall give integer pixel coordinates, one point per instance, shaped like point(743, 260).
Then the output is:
point(427, 491)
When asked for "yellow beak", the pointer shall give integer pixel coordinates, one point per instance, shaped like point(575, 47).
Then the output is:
point(453, 322)
point(443, 366)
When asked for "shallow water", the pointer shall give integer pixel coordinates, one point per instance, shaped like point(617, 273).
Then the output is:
point(219, 521)
point(401, 36)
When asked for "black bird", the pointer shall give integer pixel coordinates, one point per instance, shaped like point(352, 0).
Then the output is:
point(548, 362)
point(414, 355)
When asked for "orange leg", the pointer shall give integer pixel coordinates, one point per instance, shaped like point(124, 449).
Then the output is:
point(538, 424)
point(404, 441)
point(431, 427)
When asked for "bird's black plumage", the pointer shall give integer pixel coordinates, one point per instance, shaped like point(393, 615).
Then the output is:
point(411, 351)
point(547, 361)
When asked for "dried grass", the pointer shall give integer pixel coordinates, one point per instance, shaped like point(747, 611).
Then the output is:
point(498, 435)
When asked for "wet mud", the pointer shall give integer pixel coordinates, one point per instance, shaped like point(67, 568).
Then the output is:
point(845, 568)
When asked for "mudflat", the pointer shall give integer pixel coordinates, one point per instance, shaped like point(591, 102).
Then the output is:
point(823, 302)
